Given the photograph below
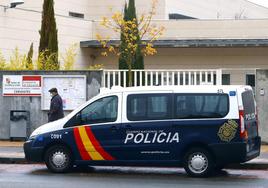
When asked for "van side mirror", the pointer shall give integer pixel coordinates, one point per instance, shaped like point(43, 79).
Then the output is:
point(78, 119)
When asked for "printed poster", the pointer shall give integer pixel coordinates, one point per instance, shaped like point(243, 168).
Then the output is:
point(22, 85)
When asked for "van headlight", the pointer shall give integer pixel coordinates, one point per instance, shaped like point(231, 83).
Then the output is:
point(34, 135)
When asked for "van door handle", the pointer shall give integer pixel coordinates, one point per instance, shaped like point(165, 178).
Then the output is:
point(114, 128)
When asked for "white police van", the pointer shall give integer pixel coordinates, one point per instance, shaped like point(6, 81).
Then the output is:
point(201, 128)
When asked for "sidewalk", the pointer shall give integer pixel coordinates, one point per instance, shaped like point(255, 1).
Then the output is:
point(12, 152)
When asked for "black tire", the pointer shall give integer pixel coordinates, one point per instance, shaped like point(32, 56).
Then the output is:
point(58, 159)
point(198, 162)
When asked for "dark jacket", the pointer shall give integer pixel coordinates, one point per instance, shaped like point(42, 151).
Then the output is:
point(56, 109)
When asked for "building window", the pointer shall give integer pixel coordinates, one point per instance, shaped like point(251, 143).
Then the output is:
point(76, 15)
point(226, 79)
point(250, 80)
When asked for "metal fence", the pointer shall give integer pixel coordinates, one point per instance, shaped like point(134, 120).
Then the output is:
point(162, 77)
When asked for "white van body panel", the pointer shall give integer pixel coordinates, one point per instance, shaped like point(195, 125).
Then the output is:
point(48, 127)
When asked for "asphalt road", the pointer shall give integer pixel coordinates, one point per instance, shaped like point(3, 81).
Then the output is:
point(37, 176)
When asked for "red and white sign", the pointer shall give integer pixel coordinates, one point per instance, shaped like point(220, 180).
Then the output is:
point(21, 85)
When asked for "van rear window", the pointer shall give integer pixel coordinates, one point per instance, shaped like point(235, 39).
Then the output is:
point(248, 102)
point(193, 106)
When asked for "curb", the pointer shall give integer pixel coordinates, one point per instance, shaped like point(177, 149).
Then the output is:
point(11, 160)
point(249, 166)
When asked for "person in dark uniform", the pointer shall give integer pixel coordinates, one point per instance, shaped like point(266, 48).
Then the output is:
point(56, 107)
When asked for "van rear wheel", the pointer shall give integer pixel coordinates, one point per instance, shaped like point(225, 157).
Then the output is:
point(58, 159)
point(198, 162)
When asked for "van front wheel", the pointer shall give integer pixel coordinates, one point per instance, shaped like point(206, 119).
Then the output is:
point(198, 162)
point(58, 159)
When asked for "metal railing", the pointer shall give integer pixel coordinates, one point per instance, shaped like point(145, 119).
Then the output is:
point(162, 77)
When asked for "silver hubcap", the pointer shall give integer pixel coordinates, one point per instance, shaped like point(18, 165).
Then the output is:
point(59, 159)
point(198, 163)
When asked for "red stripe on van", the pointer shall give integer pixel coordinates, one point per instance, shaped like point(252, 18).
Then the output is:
point(97, 145)
point(243, 131)
point(81, 148)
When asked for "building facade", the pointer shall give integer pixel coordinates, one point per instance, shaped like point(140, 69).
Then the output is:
point(217, 9)
point(212, 34)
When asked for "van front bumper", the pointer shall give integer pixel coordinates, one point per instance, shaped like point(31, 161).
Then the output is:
point(235, 152)
point(33, 154)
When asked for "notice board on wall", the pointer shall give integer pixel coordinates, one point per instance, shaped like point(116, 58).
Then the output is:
point(71, 88)
point(21, 85)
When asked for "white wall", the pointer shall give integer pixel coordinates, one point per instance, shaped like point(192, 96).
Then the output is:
point(214, 9)
point(18, 28)
point(202, 29)
point(100, 8)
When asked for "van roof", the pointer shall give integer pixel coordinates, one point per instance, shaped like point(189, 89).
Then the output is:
point(191, 88)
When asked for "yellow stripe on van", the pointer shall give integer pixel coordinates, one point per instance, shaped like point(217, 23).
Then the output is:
point(88, 145)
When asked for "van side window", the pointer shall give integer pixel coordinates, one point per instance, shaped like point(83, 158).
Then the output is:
point(192, 106)
point(149, 107)
point(101, 111)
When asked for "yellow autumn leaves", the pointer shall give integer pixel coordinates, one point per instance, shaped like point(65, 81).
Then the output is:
point(18, 61)
point(130, 30)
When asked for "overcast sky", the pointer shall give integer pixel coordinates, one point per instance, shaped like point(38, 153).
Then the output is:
point(261, 2)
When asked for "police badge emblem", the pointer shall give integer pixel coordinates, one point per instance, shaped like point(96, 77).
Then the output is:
point(228, 130)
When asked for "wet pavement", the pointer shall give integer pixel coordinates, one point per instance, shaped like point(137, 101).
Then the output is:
point(29, 175)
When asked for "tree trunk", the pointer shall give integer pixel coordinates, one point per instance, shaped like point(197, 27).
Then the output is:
point(129, 72)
